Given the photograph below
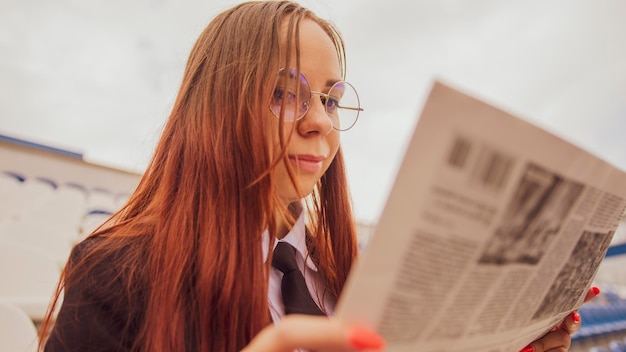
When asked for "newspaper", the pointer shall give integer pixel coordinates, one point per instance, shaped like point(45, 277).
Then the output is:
point(492, 233)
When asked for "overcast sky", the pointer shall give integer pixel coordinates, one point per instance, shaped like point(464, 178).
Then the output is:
point(99, 77)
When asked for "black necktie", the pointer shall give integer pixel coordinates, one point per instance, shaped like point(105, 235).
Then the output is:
point(296, 297)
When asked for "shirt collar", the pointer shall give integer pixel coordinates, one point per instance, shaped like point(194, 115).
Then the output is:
point(296, 237)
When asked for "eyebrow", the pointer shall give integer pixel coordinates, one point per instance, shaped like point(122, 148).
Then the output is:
point(331, 82)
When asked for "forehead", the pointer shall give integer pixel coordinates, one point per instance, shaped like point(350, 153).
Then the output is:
point(318, 54)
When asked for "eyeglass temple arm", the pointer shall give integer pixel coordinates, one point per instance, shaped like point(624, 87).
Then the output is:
point(350, 108)
point(325, 96)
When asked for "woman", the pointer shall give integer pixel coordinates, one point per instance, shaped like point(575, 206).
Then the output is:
point(183, 266)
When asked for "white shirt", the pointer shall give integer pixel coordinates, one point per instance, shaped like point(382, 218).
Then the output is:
point(297, 238)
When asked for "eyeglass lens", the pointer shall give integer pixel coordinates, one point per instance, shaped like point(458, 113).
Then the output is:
point(292, 89)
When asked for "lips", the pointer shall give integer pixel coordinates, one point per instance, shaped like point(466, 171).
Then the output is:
point(308, 163)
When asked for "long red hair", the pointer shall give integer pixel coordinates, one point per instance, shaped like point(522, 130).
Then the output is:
point(192, 230)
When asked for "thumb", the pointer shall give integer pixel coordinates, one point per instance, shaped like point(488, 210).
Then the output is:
point(314, 333)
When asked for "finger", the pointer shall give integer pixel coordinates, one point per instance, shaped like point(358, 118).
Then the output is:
point(592, 293)
point(300, 332)
point(571, 324)
point(557, 340)
point(313, 333)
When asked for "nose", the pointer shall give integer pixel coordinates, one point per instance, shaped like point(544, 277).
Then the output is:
point(316, 120)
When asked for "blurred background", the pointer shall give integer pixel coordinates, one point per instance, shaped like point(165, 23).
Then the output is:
point(94, 81)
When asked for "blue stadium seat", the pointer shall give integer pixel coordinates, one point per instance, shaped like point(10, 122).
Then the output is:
point(602, 318)
point(599, 349)
point(17, 331)
point(45, 216)
point(10, 189)
point(28, 277)
point(617, 346)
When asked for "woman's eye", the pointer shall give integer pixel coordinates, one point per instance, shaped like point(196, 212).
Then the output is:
point(332, 104)
point(279, 94)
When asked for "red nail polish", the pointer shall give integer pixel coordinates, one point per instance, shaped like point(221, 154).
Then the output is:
point(576, 317)
point(362, 338)
point(595, 290)
point(528, 348)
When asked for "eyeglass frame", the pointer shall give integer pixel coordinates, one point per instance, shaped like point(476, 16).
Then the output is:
point(324, 98)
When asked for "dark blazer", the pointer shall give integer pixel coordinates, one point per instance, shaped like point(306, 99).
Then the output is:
point(98, 313)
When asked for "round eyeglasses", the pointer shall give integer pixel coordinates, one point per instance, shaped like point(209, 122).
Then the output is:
point(292, 95)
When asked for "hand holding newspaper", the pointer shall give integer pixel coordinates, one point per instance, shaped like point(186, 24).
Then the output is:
point(492, 233)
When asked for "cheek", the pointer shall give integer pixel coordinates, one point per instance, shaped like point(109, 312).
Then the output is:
point(275, 134)
point(333, 143)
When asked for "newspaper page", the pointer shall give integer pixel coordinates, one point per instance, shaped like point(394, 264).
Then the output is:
point(492, 233)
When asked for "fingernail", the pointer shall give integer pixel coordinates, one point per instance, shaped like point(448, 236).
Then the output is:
point(576, 317)
point(528, 348)
point(595, 290)
point(362, 338)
